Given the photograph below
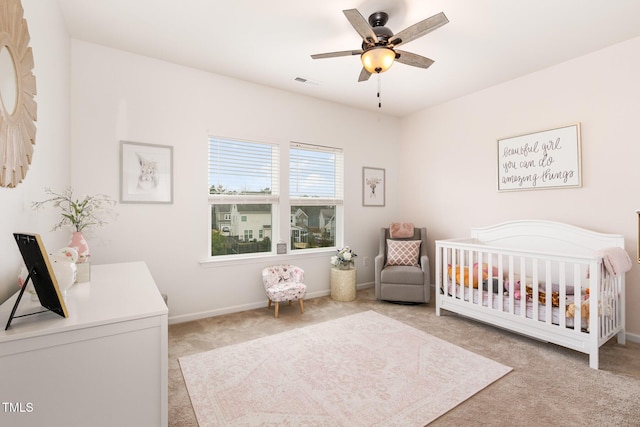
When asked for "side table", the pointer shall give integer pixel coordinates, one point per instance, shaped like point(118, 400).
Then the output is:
point(343, 284)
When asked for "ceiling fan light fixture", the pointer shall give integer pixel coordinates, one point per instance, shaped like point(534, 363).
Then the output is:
point(378, 59)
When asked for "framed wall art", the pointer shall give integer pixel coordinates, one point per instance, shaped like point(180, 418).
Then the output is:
point(146, 173)
point(373, 186)
point(540, 160)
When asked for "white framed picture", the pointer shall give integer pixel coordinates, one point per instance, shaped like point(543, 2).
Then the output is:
point(539, 160)
point(373, 186)
point(146, 173)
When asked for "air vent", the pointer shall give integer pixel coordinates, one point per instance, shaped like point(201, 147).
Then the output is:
point(307, 81)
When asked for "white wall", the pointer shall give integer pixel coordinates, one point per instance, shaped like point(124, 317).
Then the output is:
point(120, 96)
point(50, 165)
point(457, 141)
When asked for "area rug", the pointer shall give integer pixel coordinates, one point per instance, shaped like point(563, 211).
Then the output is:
point(364, 369)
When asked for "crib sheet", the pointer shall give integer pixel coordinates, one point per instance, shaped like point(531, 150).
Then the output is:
point(495, 297)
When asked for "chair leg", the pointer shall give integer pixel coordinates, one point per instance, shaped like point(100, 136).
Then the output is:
point(277, 308)
point(289, 302)
point(301, 305)
point(269, 304)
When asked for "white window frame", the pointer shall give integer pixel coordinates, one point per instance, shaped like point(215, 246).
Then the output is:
point(336, 198)
point(272, 199)
point(281, 205)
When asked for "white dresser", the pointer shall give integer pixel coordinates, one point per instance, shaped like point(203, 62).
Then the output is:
point(104, 365)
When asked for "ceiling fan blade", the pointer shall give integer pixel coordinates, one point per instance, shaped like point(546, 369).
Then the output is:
point(361, 25)
point(412, 59)
point(336, 54)
point(420, 29)
point(364, 75)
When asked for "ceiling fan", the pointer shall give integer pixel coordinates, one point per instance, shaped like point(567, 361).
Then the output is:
point(378, 51)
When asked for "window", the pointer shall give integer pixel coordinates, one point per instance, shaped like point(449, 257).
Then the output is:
point(245, 202)
point(243, 195)
point(316, 195)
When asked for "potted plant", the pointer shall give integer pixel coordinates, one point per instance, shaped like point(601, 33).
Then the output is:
point(344, 258)
point(80, 214)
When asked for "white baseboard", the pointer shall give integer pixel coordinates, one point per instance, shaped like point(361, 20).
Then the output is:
point(244, 307)
point(211, 313)
point(228, 310)
point(632, 337)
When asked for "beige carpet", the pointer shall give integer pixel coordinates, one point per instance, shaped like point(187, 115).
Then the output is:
point(549, 385)
point(363, 369)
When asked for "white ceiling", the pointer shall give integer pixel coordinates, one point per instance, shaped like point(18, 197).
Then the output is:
point(485, 43)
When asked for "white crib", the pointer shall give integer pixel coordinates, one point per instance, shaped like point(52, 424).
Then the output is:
point(507, 275)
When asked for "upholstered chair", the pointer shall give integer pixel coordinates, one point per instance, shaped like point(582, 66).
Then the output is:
point(284, 283)
point(402, 268)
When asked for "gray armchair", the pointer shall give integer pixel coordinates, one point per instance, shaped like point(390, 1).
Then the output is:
point(403, 282)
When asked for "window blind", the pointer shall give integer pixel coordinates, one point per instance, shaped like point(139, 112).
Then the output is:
point(315, 172)
point(243, 168)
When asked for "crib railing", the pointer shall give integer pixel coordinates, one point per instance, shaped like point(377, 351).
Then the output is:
point(559, 288)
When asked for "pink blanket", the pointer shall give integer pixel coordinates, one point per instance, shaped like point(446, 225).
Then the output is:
point(616, 260)
point(401, 230)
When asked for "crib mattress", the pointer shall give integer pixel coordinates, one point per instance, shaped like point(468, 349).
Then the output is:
point(517, 309)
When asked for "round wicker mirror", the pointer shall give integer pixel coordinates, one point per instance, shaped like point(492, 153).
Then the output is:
point(17, 90)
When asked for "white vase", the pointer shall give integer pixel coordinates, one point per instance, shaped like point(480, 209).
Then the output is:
point(65, 272)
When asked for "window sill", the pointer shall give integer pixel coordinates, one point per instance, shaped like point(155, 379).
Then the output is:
point(268, 258)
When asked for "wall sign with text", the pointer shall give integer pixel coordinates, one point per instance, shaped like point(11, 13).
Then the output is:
point(540, 160)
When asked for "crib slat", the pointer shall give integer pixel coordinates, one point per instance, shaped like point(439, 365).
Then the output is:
point(535, 284)
point(577, 296)
point(461, 264)
point(562, 317)
point(472, 290)
point(473, 293)
point(523, 287)
point(461, 267)
point(479, 273)
point(500, 284)
point(454, 262)
point(512, 303)
point(548, 314)
point(490, 294)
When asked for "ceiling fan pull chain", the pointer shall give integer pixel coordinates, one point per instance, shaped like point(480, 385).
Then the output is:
point(379, 91)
